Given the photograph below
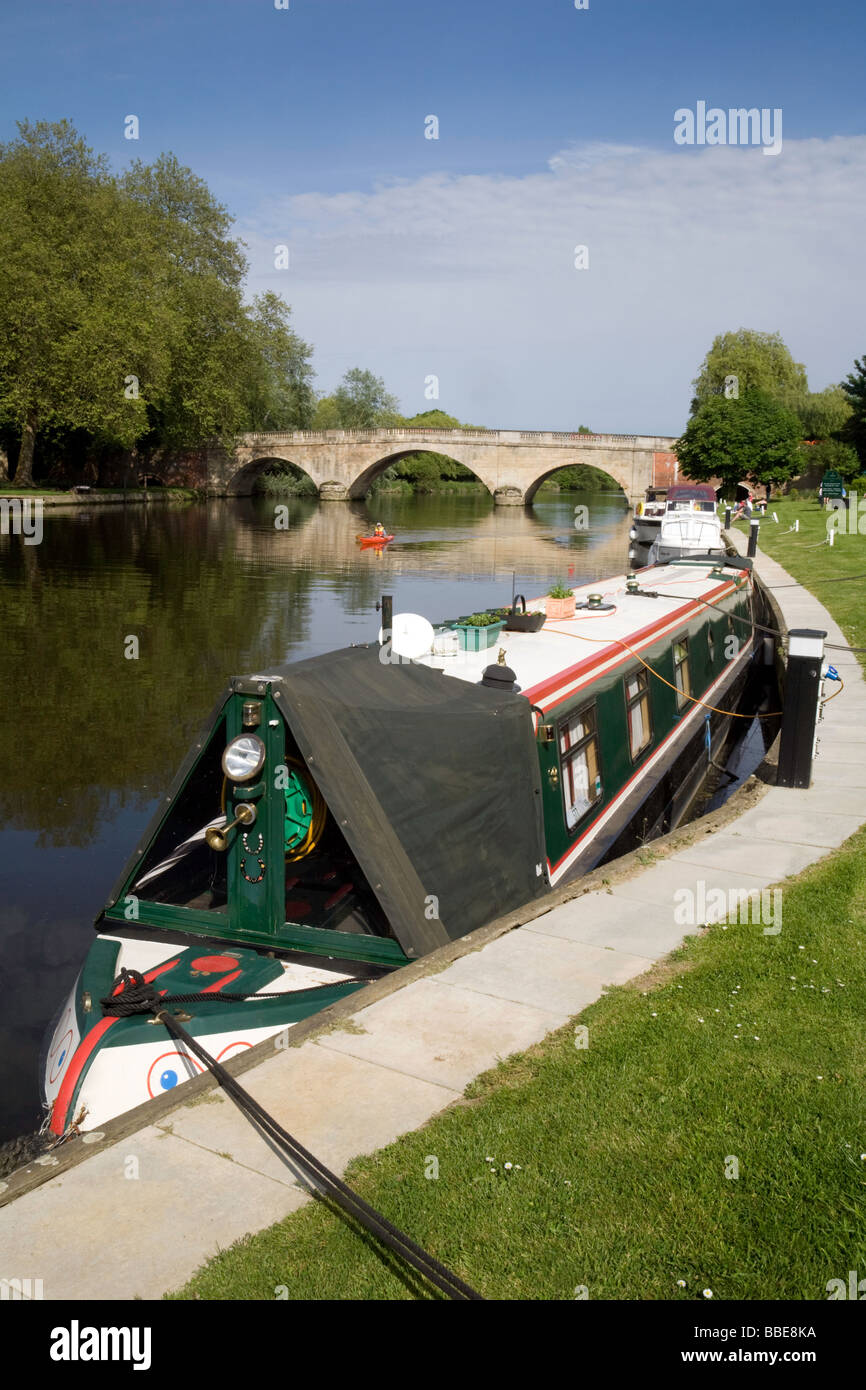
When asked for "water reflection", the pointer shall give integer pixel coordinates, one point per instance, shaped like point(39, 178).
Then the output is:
point(90, 738)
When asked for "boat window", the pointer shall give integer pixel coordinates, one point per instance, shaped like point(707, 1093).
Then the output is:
point(711, 643)
point(638, 705)
point(579, 760)
point(681, 672)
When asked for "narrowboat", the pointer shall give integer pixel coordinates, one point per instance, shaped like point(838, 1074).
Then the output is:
point(344, 815)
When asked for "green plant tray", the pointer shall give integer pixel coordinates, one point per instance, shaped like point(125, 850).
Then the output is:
point(478, 639)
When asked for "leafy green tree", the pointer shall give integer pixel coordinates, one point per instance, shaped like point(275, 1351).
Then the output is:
point(830, 455)
point(122, 323)
point(326, 415)
point(751, 437)
point(854, 387)
point(76, 319)
point(363, 402)
point(433, 420)
point(197, 287)
point(758, 362)
point(278, 390)
point(823, 414)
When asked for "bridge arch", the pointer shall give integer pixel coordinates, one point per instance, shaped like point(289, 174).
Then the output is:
point(243, 482)
point(368, 475)
point(609, 474)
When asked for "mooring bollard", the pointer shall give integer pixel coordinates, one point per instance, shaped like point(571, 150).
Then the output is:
point(727, 518)
point(754, 528)
point(387, 617)
point(802, 689)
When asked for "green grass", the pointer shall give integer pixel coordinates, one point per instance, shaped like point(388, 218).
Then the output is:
point(813, 563)
point(623, 1146)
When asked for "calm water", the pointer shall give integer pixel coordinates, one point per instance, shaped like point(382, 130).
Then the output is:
point(89, 739)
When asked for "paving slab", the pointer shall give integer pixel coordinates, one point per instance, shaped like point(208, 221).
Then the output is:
point(606, 919)
point(337, 1106)
point(843, 801)
point(445, 1034)
point(542, 971)
point(658, 886)
point(806, 826)
point(832, 772)
point(727, 851)
point(137, 1218)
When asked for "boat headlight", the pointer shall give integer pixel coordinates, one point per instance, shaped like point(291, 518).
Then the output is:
point(244, 758)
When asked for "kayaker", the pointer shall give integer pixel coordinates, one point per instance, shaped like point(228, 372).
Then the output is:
point(380, 529)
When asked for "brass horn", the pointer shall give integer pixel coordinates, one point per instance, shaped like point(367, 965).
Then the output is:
point(217, 836)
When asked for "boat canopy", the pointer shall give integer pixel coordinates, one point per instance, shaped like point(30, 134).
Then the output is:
point(694, 492)
point(434, 783)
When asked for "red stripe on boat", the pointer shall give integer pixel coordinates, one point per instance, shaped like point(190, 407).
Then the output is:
point(536, 694)
point(84, 1051)
point(220, 984)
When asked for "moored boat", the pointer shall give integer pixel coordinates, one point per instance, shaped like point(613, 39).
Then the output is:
point(344, 815)
point(647, 516)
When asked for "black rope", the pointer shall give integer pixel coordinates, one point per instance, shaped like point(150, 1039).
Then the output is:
point(138, 996)
point(143, 998)
point(761, 627)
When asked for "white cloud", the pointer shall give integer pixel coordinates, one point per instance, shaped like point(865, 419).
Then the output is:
point(472, 277)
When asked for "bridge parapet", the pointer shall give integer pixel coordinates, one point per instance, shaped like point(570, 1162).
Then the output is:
point(371, 436)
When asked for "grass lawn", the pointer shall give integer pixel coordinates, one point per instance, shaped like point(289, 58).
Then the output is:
point(817, 566)
point(744, 1046)
point(740, 1053)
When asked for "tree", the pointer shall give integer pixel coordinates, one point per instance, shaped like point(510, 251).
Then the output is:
point(750, 361)
point(823, 414)
point(278, 391)
point(854, 388)
point(830, 455)
point(75, 320)
point(363, 403)
point(121, 312)
point(196, 287)
point(326, 415)
point(751, 437)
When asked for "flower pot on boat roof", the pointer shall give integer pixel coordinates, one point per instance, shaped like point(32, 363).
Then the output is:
point(559, 602)
point(478, 632)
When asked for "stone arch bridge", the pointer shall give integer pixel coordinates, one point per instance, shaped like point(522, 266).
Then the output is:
point(512, 464)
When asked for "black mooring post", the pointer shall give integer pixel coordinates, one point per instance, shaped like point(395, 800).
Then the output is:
point(387, 617)
point(802, 688)
point(754, 528)
point(727, 518)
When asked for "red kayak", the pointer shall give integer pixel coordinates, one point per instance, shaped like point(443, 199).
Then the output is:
point(375, 540)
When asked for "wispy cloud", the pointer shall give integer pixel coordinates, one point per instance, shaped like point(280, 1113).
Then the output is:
point(473, 277)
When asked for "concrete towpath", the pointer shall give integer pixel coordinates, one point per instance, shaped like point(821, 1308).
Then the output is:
point(157, 1195)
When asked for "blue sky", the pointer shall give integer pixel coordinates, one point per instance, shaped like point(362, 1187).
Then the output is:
point(455, 257)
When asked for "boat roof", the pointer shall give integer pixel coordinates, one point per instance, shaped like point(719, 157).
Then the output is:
point(551, 664)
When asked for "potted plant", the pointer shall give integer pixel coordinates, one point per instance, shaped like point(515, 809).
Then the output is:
point(559, 602)
point(479, 631)
point(518, 620)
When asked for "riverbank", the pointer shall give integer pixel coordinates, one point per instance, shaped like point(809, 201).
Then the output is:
point(623, 1116)
point(97, 497)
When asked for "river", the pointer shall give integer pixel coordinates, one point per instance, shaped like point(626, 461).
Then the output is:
point(91, 736)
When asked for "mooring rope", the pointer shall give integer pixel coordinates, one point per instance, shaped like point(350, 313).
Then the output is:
point(143, 998)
